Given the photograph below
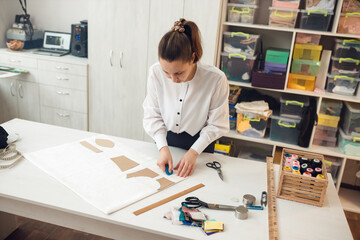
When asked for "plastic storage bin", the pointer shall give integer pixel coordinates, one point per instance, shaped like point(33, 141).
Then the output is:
point(347, 48)
point(282, 17)
point(328, 120)
point(241, 13)
point(349, 144)
point(292, 4)
point(237, 67)
point(307, 51)
point(301, 82)
point(318, 20)
point(251, 125)
point(264, 79)
point(277, 55)
point(331, 107)
point(325, 141)
point(293, 106)
point(333, 165)
point(340, 84)
point(239, 42)
point(350, 6)
point(307, 38)
point(248, 2)
point(351, 123)
point(325, 131)
point(349, 23)
point(275, 67)
point(345, 66)
point(285, 129)
point(305, 67)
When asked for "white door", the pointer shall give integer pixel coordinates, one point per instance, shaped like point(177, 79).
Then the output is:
point(28, 100)
point(8, 99)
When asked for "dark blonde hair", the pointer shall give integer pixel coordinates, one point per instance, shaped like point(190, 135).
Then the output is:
point(181, 42)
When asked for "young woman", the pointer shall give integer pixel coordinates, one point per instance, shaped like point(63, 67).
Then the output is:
point(187, 103)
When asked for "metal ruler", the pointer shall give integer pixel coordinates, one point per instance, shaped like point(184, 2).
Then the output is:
point(273, 226)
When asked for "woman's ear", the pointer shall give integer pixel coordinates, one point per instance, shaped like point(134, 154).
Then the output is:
point(193, 57)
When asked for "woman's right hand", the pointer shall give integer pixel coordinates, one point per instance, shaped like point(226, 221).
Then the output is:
point(165, 159)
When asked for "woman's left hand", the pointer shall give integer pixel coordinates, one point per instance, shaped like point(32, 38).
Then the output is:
point(187, 164)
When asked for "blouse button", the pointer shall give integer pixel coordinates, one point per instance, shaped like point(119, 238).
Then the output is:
point(178, 113)
point(177, 124)
point(180, 100)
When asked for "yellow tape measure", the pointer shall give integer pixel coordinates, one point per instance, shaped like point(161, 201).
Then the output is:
point(273, 226)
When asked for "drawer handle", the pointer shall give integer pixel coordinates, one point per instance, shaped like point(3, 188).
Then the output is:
point(62, 93)
point(62, 68)
point(63, 114)
point(62, 78)
point(14, 60)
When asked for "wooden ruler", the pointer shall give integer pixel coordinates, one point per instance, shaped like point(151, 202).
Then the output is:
point(161, 202)
point(273, 226)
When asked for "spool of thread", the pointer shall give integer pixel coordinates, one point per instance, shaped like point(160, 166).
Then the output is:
point(294, 156)
point(296, 163)
point(303, 167)
point(320, 176)
point(318, 171)
point(288, 159)
point(288, 163)
point(287, 168)
point(316, 163)
point(307, 174)
point(303, 160)
point(311, 171)
point(287, 155)
point(296, 172)
point(295, 168)
point(241, 212)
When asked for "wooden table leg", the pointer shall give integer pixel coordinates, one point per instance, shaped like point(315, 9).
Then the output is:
point(8, 224)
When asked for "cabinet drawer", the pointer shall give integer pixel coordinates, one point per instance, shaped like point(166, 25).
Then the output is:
point(31, 76)
point(63, 67)
point(64, 80)
point(64, 98)
point(64, 118)
point(12, 60)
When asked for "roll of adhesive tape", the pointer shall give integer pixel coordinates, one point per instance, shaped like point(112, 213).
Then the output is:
point(249, 199)
point(241, 212)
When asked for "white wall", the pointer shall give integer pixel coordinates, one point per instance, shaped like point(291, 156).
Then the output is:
point(55, 15)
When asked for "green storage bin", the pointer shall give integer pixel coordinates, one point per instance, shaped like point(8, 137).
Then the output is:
point(305, 67)
point(277, 55)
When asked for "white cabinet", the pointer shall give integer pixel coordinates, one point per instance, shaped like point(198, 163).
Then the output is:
point(118, 36)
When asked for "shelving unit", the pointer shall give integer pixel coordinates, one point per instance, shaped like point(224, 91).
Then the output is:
point(285, 38)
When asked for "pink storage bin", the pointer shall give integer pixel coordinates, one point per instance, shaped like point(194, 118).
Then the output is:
point(292, 4)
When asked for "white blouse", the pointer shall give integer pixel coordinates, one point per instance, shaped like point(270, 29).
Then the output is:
point(198, 104)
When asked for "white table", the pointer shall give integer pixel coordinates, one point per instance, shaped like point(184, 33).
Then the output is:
point(27, 191)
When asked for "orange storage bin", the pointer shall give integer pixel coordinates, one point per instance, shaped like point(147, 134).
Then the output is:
point(301, 82)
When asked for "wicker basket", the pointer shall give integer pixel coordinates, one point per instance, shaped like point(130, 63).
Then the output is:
point(300, 188)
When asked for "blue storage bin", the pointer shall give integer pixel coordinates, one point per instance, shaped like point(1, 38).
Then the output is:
point(349, 144)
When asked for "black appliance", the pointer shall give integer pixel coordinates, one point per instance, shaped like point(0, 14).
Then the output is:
point(79, 39)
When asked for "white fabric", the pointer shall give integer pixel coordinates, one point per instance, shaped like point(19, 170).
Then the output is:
point(255, 107)
point(202, 104)
point(95, 177)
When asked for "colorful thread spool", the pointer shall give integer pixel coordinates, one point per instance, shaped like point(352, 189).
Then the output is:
point(318, 170)
point(311, 171)
point(294, 156)
point(303, 160)
point(307, 174)
point(316, 163)
point(296, 163)
point(295, 168)
point(288, 163)
point(287, 168)
point(287, 155)
point(320, 176)
point(296, 172)
point(303, 167)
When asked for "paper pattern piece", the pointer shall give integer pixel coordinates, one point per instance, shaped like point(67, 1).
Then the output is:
point(91, 147)
point(105, 143)
point(124, 163)
point(164, 183)
point(143, 173)
point(95, 177)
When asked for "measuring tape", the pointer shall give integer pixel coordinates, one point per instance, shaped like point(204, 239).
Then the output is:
point(273, 226)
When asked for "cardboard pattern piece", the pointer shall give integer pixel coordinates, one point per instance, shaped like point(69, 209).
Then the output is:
point(143, 173)
point(124, 163)
point(91, 147)
point(104, 143)
point(164, 183)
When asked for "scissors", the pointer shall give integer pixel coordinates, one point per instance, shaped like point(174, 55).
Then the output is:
point(194, 202)
point(217, 166)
